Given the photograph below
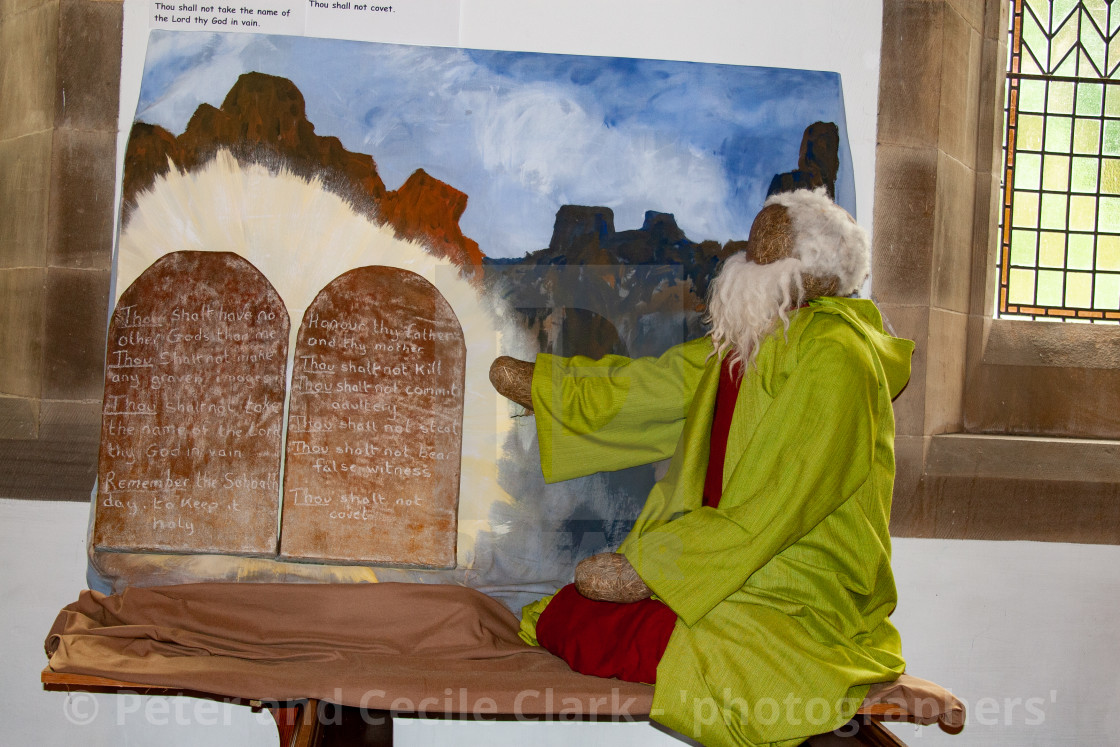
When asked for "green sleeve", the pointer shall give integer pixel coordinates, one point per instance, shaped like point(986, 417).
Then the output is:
point(812, 450)
point(615, 412)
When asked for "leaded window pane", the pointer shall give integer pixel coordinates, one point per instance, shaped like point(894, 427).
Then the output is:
point(1060, 223)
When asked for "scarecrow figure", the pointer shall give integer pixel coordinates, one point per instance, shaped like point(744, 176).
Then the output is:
point(755, 586)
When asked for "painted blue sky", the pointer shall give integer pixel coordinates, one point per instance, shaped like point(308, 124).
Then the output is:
point(524, 133)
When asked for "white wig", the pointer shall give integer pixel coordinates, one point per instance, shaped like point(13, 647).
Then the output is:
point(826, 239)
point(746, 300)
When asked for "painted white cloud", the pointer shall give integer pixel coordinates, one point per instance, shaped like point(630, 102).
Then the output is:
point(519, 149)
point(547, 145)
point(189, 69)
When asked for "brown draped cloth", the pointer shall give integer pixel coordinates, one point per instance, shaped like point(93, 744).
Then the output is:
point(411, 648)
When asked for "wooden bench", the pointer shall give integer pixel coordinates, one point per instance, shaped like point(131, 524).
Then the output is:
point(404, 647)
point(298, 725)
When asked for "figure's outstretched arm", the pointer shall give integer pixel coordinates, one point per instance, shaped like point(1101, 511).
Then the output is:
point(606, 414)
point(614, 412)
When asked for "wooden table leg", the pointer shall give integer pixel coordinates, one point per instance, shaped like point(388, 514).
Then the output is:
point(312, 723)
point(861, 730)
point(298, 725)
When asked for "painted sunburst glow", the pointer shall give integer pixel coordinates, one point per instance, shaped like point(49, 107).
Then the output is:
point(301, 236)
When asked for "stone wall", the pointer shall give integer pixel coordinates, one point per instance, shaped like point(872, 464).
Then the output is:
point(988, 399)
point(59, 82)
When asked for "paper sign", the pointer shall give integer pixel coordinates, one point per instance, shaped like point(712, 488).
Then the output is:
point(255, 16)
point(434, 22)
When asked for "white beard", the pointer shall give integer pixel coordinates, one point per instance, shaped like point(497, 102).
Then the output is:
point(746, 301)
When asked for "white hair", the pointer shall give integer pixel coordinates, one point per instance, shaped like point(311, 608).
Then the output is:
point(746, 300)
point(826, 239)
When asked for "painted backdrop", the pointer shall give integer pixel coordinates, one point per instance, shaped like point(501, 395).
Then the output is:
point(560, 203)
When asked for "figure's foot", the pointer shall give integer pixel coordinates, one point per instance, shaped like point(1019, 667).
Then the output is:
point(609, 577)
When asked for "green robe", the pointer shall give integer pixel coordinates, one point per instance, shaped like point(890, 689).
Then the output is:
point(783, 592)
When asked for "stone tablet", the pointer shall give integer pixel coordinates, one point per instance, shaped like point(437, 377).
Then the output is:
point(375, 424)
point(193, 409)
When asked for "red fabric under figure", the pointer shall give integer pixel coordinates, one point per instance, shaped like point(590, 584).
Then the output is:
point(606, 639)
point(627, 641)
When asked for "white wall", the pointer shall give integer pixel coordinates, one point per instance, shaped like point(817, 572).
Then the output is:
point(1024, 632)
point(43, 556)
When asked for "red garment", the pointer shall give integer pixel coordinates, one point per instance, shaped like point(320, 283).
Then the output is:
point(608, 639)
point(726, 395)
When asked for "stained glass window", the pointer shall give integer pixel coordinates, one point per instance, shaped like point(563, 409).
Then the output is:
point(1060, 222)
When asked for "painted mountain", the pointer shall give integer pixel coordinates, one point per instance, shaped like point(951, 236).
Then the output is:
point(593, 290)
point(263, 119)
